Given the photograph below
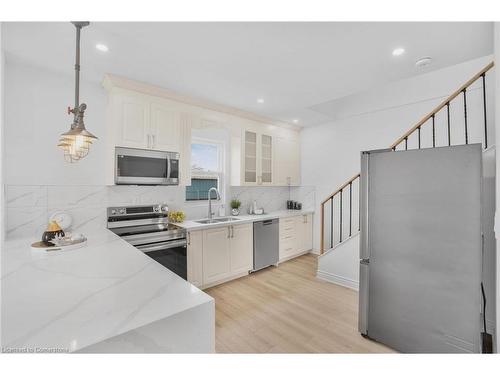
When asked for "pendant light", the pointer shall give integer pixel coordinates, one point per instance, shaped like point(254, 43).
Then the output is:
point(76, 142)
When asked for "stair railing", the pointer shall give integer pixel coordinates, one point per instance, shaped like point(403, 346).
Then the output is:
point(336, 200)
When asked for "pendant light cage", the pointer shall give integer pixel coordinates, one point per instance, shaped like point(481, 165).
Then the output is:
point(76, 142)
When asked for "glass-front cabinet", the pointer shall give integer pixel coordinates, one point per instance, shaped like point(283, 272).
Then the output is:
point(258, 158)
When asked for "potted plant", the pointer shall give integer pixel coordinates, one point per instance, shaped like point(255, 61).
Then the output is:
point(235, 207)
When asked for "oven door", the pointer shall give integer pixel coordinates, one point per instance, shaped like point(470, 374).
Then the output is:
point(141, 167)
point(171, 254)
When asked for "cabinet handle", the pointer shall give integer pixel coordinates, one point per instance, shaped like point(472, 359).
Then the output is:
point(149, 141)
point(228, 232)
point(189, 238)
point(232, 231)
point(153, 140)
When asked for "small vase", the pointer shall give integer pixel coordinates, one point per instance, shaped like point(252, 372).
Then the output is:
point(235, 211)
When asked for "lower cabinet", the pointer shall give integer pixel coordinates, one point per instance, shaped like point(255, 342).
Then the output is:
point(195, 258)
point(227, 252)
point(295, 236)
point(216, 254)
point(241, 248)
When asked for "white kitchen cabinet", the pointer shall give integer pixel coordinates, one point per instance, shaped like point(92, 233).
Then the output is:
point(132, 121)
point(227, 253)
point(216, 254)
point(287, 161)
point(195, 258)
point(165, 128)
point(241, 245)
point(304, 232)
point(295, 236)
point(258, 159)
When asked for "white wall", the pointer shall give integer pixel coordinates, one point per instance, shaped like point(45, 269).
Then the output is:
point(331, 152)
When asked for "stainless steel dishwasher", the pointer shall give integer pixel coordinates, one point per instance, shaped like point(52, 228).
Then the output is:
point(265, 243)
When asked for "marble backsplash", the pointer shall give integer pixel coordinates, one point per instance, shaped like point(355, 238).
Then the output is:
point(28, 207)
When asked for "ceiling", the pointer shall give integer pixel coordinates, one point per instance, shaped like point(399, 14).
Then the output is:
point(292, 66)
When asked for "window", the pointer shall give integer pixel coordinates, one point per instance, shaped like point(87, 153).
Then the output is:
point(206, 170)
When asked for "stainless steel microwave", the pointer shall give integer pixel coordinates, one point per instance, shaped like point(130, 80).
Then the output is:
point(146, 167)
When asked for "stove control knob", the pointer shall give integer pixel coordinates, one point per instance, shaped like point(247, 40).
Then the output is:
point(113, 212)
point(156, 209)
point(164, 208)
point(122, 211)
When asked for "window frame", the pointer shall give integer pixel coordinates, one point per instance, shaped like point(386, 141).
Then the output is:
point(221, 161)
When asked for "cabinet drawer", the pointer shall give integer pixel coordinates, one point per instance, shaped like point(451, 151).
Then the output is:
point(287, 233)
point(288, 223)
point(287, 248)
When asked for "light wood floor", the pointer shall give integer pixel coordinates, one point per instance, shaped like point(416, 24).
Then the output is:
point(288, 310)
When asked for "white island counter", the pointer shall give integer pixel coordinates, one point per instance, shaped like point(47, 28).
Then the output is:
point(105, 297)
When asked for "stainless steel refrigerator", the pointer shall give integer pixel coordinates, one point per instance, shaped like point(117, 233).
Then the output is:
point(421, 249)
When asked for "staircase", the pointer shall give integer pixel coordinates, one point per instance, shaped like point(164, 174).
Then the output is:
point(339, 212)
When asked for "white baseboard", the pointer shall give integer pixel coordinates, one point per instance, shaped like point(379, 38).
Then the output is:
point(339, 280)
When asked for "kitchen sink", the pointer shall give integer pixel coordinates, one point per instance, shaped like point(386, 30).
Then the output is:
point(217, 220)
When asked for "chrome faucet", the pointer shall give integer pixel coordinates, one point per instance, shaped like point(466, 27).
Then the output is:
point(210, 213)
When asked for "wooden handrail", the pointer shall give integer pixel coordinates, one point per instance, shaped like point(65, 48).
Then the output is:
point(401, 139)
point(443, 104)
point(340, 188)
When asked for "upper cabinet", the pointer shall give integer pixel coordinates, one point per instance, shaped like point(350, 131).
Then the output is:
point(270, 157)
point(165, 128)
point(258, 158)
point(143, 122)
point(287, 163)
point(132, 121)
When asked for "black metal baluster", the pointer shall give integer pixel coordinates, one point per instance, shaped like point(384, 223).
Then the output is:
point(418, 129)
point(465, 117)
point(340, 232)
point(406, 143)
point(484, 111)
point(350, 209)
point(448, 115)
point(331, 222)
point(433, 131)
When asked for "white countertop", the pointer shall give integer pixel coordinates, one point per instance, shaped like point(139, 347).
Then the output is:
point(241, 219)
point(75, 298)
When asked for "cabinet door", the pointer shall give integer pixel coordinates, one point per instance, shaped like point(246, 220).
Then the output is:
point(241, 248)
point(195, 258)
point(287, 161)
point(250, 158)
point(265, 153)
point(307, 232)
point(300, 225)
point(165, 128)
point(133, 122)
point(216, 261)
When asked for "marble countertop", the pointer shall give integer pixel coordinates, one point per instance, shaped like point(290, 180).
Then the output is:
point(191, 225)
point(75, 298)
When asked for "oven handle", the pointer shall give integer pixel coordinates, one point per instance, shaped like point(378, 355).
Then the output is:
point(133, 223)
point(162, 246)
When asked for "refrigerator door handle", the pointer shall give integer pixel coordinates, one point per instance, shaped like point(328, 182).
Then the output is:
point(364, 250)
point(363, 296)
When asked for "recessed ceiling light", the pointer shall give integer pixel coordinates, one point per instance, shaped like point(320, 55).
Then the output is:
point(423, 62)
point(260, 100)
point(295, 120)
point(398, 51)
point(102, 47)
